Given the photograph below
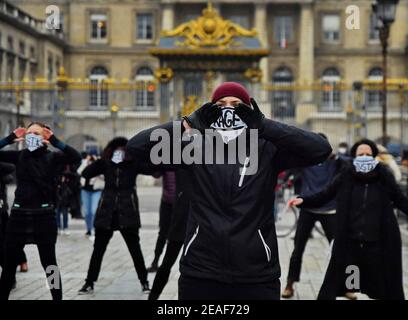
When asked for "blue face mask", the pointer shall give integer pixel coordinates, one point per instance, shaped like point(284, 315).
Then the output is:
point(118, 156)
point(365, 164)
point(33, 141)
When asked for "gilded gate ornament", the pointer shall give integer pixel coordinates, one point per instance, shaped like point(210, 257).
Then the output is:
point(209, 30)
point(163, 74)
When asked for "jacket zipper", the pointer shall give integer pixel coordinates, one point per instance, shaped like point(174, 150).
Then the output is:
point(241, 179)
point(267, 249)
point(192, 240)
point(365, 195)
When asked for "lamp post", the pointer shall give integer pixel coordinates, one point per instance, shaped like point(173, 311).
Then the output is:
point(385, 15)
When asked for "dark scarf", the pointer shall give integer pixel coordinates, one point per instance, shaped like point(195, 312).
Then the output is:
point(366, 177)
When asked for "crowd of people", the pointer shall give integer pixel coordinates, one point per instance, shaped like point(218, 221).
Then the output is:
point(219, 218)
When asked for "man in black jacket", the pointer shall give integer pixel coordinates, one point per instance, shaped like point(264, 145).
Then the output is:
point(230, 249)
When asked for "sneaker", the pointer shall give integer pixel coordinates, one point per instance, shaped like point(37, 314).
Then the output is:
point(91, 238)
point(88, 234)
point(59, 232)
point(66, 232)
point(86, 289)
point(24, 267)
point(145, 287)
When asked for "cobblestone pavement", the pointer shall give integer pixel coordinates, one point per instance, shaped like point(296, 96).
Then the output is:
point(118, 279)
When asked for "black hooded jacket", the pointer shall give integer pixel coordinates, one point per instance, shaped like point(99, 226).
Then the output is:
point(231, 234)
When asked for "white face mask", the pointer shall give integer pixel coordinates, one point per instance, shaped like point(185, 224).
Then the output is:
point(342, 150)
point(229, 125)
point(33, 141)
point(365, 164)
point(118, 156)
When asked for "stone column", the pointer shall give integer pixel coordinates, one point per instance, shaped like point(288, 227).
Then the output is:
point(167, 16)
point(306, 63)
point(260, 24)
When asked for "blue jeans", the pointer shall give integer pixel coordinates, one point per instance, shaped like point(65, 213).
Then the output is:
point(64, 212)
point(90, 200)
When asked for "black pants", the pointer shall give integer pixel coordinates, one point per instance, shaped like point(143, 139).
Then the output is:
point(166, 210)
point(204, 289)
point(48, 261)
point(162, 276)
point(304, 227)
point(102, 237)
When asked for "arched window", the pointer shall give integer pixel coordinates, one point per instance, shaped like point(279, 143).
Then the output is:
point(374, 97)
point(331, 93)
point(145, 88)
point(98, 94)
point(282, 100)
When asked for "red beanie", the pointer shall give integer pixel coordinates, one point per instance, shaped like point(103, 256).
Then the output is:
point(231, 89)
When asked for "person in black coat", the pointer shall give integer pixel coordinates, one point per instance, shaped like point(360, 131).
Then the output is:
point(230, 249)
point(118, 208)
point(176, 234)
point(32, 218)
point(6, 178)
point(366, 252)
point(65, 198)
point(5, 174)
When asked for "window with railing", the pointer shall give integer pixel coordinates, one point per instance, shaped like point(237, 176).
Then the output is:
point(145, 89)
point(331, 96)
point(374, 33)
point(144, 26)
point(282, 100)
point(99, 27)
point(98, 93)
point(331, 28)
point(374, 97)
point(283, 30)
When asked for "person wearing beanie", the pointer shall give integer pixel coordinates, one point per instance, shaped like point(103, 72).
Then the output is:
point(366, 252)
point(230, 248)
point(118, 208)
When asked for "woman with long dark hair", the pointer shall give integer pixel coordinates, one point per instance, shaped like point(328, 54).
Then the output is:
point(366, 252)
point(118, 209)
point(32, 219)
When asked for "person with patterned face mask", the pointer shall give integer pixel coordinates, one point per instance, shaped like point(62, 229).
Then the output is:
point(230, 246)
point(367, 235)
point(118, 208)
point(32, 219)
